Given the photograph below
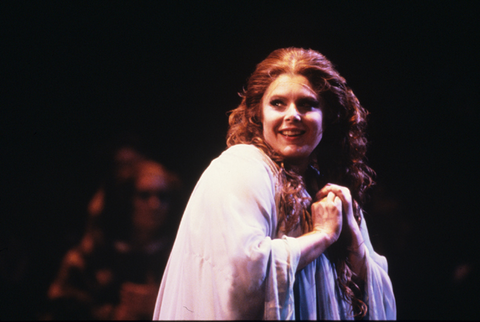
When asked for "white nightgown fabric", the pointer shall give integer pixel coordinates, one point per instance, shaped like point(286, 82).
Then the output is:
point(228, 262)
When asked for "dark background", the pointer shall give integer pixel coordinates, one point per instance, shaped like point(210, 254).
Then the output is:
point(76, 75)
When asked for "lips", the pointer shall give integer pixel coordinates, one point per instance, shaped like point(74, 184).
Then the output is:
point(292, 132)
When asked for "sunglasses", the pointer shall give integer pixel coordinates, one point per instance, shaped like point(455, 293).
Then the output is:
point(147, 194)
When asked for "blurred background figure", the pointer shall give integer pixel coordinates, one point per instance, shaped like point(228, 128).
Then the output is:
point(115, 190)
point(115, 270)
point(124, 161)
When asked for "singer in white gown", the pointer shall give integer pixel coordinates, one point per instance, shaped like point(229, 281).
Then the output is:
point(238, 253)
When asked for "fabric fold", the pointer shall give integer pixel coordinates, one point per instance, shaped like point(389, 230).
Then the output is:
point(228, 262)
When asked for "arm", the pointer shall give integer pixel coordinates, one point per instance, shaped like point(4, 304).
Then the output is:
point(357, 256)
point(327, 223)
point(226, 262)
point(371, 271)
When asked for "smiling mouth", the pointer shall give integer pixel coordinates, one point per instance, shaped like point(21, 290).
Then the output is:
point(292, 133)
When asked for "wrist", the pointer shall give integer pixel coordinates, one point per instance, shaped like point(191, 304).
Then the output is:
point(357, 245)
point(327, 236)
point(357, 259)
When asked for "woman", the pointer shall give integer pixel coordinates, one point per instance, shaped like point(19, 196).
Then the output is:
point(274, 227)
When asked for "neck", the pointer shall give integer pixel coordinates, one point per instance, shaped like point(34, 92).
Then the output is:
point(299, 168)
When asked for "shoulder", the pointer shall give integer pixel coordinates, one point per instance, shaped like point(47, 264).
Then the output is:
point(242, 167)
point(238, 183)
point(246, 156)
point(244, 150)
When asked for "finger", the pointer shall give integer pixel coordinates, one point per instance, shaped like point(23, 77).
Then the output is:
point(322, 193)
point(330, 197)
point(329, 187)
point(337, 201)
point(342, 192)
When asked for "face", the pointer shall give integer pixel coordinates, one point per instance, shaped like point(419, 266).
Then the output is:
point(151, 200)
point(292, 118)
point(125, 159)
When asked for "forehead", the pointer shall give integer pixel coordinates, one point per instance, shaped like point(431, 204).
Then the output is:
point(152, 177)
point(286, 84)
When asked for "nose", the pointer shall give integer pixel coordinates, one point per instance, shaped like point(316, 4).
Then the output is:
point(292, 113)
point(154, 202)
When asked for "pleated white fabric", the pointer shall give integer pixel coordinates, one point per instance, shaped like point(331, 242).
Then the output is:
point(228, 262)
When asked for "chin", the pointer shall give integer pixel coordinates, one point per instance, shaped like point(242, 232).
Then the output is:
point(296, 154)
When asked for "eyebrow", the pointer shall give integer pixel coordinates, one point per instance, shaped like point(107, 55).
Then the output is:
point(309, 99)
point(309, 96)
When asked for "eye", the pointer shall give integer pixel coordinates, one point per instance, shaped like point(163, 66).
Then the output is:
point(277, 103)
point(308, 104)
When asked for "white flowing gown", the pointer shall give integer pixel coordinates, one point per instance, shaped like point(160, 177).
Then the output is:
point(228, 262)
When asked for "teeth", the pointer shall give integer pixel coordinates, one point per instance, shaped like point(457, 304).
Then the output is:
point(291, 133)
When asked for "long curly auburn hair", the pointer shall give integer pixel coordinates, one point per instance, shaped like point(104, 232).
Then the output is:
point(339, 157)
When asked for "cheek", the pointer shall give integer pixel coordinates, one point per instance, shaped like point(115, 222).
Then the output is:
point(317, 125)
point(269, 131)
point(266, 123)
point(266, 132)
point(319, 122)
point(318, 139)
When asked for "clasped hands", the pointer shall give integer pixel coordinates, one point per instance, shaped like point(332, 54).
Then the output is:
point(333, 211)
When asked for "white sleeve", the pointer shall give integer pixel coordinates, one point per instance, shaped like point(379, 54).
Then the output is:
point(378, 287)
point(225, 263)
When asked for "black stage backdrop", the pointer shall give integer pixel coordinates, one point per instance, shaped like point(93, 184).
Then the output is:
point(76, 75)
